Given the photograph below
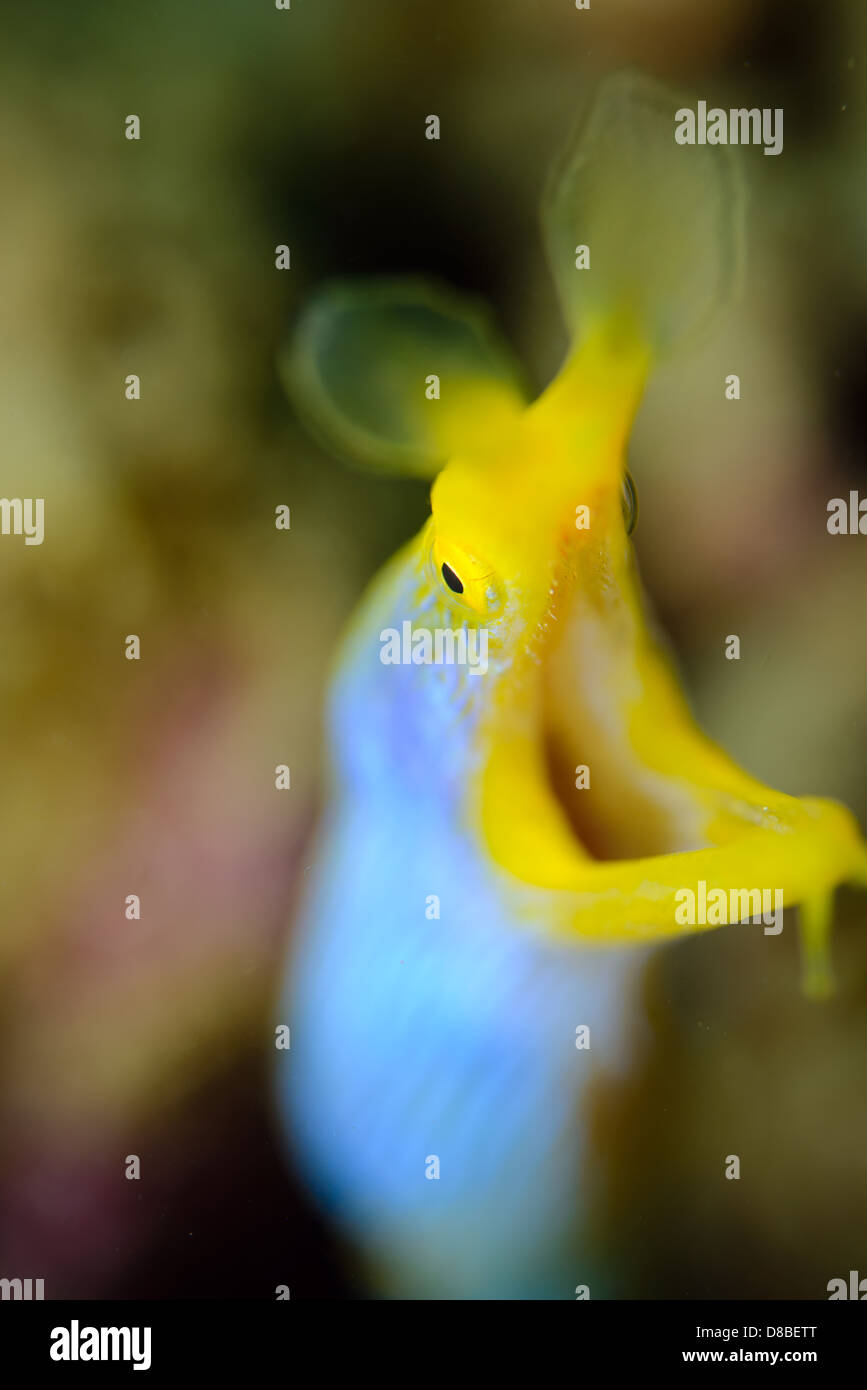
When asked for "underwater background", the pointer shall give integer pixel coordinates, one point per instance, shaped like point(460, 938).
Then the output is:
point(155, 1037)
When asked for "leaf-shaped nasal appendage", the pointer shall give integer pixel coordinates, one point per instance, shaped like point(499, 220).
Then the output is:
point(662, 221)
point(360, 367)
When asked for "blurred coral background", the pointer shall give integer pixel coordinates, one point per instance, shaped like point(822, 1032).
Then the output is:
point(156, 777)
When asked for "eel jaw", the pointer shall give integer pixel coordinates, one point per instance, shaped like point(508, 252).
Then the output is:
point(661, 807)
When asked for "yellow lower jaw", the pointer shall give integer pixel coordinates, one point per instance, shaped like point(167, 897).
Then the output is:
point(803, 846)
point(751, 836)
point(800, 858)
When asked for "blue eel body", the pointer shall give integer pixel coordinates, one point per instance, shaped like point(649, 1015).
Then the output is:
point(451, 1038)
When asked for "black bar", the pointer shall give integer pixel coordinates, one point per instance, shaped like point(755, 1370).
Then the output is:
point(297, 1339)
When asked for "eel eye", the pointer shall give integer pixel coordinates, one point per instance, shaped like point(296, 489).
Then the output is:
point(451, 579)
point(629, 502)
point(472, 585)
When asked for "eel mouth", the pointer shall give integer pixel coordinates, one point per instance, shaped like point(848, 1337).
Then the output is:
point(618, 819)
point(615, 734)
point(594, 703)
point(593, 760)
point(599, 791)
